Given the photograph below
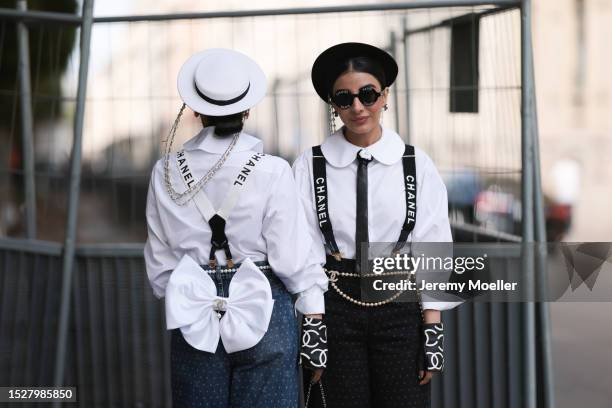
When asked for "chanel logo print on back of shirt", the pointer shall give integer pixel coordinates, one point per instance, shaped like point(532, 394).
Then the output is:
point(185, 172)
point(247, 168)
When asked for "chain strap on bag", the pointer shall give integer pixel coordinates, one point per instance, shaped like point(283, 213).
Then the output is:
point(323, 400)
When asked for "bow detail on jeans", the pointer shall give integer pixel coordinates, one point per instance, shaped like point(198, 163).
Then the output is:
point(193, 306)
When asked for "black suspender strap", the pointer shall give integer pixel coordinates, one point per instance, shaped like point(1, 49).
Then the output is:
point(321, 201)
point(322, 206)
point(216, 219)
point(218, 240)
point(410, 186)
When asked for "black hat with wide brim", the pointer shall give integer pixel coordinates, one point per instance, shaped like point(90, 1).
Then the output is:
point(329, 65)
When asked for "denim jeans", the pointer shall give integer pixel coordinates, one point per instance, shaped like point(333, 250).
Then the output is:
point(265, 375)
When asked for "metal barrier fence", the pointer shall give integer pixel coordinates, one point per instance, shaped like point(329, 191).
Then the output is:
point(132, 100)
point(117, 350)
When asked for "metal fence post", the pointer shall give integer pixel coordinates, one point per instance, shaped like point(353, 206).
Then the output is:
point(544, 336)
point(73, 197)
point(406, 39)
point(393, 49)
point(25, 93)
point(527, 208)
point(275, 121)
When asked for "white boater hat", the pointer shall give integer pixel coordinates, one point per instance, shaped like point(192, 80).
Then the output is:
point(220, 82)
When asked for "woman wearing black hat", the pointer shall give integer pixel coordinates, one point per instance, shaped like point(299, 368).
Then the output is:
point(362, 185)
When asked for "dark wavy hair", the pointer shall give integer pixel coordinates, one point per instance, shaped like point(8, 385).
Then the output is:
point(358, 64)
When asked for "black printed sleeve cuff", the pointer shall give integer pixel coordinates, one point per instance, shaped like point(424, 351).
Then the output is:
point(313, 353)
point(434, 346)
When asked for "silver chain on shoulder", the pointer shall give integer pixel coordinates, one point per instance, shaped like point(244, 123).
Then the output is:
point(185, 196)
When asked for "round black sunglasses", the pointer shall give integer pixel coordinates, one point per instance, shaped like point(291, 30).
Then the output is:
point(367, 95)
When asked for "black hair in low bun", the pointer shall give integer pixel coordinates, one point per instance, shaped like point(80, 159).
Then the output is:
point(225, 125)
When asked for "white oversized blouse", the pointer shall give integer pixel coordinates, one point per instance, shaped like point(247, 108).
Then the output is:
point(267, 223)
point(386, 196)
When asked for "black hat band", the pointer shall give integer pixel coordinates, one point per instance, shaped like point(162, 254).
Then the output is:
point(221, 102)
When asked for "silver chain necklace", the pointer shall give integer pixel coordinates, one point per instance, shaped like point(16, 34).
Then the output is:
point(185, 196)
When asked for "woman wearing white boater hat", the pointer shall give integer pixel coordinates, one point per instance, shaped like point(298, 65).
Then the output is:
point(227, 245)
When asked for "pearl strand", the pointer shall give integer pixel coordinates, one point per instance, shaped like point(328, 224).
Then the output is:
point(333, 278)
point(229, 270)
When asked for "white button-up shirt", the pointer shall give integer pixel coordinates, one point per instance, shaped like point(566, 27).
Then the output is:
point(267, 223)
point(386, 195)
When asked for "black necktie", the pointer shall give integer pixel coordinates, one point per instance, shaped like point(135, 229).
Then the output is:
point(361, 219)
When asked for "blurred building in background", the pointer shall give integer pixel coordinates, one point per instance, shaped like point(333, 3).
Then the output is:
point(457, 97)
point(132, 101)
point(574, 97)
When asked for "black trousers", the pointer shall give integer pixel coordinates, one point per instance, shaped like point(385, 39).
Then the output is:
point(373, 354)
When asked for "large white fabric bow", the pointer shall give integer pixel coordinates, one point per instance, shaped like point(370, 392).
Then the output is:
point(193, 306)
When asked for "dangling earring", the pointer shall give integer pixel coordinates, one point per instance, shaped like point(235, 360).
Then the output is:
point(382, 113)
point(332, 122)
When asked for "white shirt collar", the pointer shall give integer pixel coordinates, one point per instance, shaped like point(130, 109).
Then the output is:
point(206, 140)
point(339, 152)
